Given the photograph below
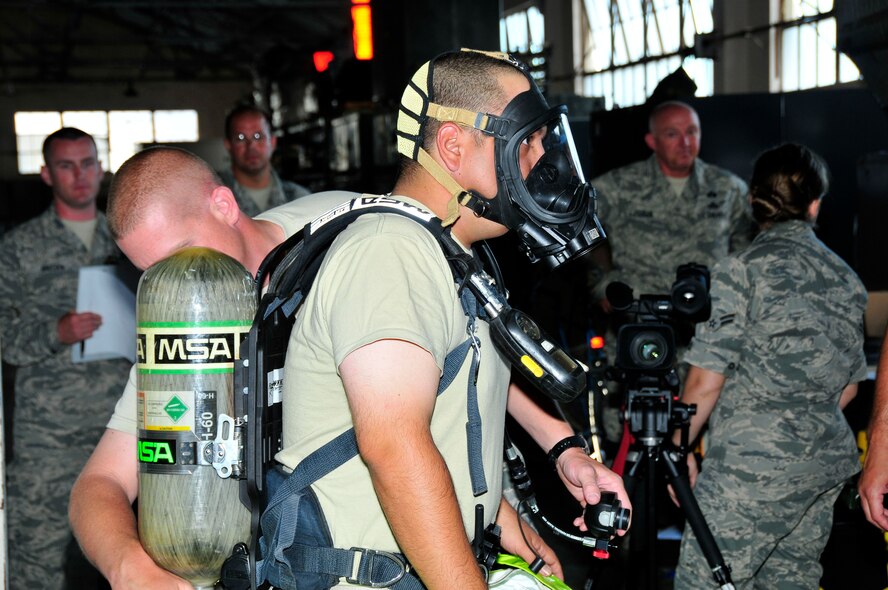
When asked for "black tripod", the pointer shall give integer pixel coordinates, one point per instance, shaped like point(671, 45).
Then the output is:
point(652, 416)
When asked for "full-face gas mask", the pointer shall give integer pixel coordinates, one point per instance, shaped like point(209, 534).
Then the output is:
point(550, 206)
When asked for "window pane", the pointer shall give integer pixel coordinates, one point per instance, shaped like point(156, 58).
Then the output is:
point(638, 87)
point(37, 122)
point(826, 52)
point(516, 27)
point(619, 36)
point(175, 126)
point(128, 129)
point(848, 71)
point(537, 25)
point(664, 28)
point(93, 122)
point(632, 25)
point(807, 57)
point(794, 9)
point(699, 14)
point(599, 13)
point(701, 72)
point(789, 49)
point(31, 128)
point(653, 74)
point(597, 44)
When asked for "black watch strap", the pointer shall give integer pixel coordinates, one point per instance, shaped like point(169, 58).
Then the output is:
point(564, 444)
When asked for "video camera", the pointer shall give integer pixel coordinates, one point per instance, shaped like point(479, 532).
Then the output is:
point(646, 345)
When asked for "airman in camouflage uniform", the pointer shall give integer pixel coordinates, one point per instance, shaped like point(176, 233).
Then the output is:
point(61, 407)
point(660, 213)
point(651, 230)
point(282, 192)
point(250, 145)
point(786, 341)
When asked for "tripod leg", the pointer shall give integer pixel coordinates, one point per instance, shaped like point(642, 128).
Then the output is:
point(651, 512)
point(639, 479)
point(720, 570)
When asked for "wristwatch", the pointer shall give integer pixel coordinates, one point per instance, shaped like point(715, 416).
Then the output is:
point(564, 444)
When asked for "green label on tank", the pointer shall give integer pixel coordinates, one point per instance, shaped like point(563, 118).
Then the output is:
point(157, 451)
point(171, 453)
point(175, 408)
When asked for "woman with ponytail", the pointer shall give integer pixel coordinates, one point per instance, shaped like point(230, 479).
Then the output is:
point(771, 371)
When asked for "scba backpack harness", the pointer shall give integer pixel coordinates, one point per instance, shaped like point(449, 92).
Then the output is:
point(291, 546)
point(290, 534)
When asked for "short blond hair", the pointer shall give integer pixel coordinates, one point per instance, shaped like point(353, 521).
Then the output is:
point(159, 176)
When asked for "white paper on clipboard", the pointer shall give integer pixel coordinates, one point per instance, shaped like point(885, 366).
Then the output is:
point(100, 290)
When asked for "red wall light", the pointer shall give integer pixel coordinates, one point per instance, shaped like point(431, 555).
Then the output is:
point(363, 29)
point(322, 60)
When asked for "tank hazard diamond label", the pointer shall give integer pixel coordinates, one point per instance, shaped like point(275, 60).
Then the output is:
point(166, 410)
point(175, 408)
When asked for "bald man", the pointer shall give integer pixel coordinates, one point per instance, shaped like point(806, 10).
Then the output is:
point(670, 209)
point(162, 200)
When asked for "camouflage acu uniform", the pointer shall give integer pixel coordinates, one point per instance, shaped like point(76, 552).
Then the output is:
point(282, 191)
point(787, 334)
point(61, 408)
point(651, 231)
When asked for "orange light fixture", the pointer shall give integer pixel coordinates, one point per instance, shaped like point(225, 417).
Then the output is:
point(322, 60)
point(362, 23)
point(596, 342)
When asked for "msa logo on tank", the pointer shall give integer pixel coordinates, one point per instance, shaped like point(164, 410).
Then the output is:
point(174, 347)
point(157, 451)
point(176, 429)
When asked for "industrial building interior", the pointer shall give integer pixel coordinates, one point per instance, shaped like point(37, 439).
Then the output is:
point(138, 73)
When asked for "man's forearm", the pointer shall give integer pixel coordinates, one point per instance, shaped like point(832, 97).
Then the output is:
point(103, 521)
point(702, 389)
point(102, 518)
point(873, 482)
point(519, 538)
point(544, 428)
point(416, 493)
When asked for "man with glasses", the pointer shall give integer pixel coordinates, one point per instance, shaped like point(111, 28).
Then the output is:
point(250, 144)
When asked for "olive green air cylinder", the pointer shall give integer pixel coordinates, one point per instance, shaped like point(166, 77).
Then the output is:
point(193, 309)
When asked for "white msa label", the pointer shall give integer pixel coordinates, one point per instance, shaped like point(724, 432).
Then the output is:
point(275, 386)
point(365, 202)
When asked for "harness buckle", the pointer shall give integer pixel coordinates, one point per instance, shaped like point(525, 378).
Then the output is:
point(372, 554)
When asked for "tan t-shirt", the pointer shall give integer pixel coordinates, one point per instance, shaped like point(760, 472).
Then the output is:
point(385, 277)
point(84, 230)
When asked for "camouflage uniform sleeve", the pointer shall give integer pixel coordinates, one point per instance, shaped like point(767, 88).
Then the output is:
point(718, 343)
point(608, 193)
point(742, 223)
point(293, 191)
point(29, 333)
